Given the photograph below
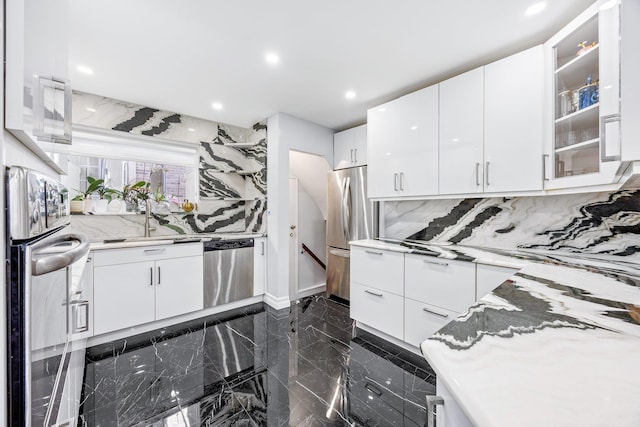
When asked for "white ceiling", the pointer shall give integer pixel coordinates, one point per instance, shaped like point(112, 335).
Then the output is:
point(182, 56)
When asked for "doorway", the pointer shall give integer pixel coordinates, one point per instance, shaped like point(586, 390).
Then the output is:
point(307, 229)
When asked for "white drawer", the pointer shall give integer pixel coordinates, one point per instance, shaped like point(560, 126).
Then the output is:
point(423, 320)
point(489, 277)
point(440, 282)
point(377, 268)
point(145, 253)
point(379, 309)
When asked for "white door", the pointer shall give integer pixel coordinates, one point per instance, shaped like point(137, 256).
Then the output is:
point(402, 146)
point(293, 238)
point(124, 296)
point(343, 143)
point(178, 286)
point(513, 122)
point(360, 146)
point(461, 133)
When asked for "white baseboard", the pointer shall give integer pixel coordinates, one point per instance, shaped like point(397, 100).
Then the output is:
point(389, 338)
point(311, 290)
point(277, 303)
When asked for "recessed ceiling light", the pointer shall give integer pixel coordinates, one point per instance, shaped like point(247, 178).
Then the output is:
point(216, 106)
point(191, 130)
point(93, 110)
point(535, 8)
point(272, 58)
point(414, 127)
point(350, 94)
point(84, 69)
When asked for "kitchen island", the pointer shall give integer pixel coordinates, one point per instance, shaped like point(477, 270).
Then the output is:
point(556, 344)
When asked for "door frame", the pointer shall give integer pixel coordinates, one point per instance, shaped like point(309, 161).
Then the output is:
point(293, 238)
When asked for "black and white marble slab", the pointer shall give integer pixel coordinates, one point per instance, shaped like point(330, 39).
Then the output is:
point(233, 165)
point(592, 223)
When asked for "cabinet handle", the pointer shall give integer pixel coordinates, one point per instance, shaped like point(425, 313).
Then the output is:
point(441, 264)
point(154, 251)
point(373, 389)
point(426, 310)
point(80, 321)
point(432, 402)
point(351, 155)
point(355, 155)
point(401, 181)
point(544, 167)
point(51, 85)
point(262, 248)
point(395, 182)
point(477, 174)
point(158, 275)
point(611, 118)
point(374, 253)
point(372, 293)
point(150, 276)
point(486, 178)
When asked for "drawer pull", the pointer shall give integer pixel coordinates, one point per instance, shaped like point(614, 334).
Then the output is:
point(432, 402)
point(154, 251)
point(372, 293)
point(425, 309)
point(441, 264)
point(374, 253)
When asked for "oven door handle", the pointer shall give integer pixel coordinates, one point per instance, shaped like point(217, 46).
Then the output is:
point(46, 264)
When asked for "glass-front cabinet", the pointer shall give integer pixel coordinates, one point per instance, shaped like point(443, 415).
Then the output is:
point(585, 106)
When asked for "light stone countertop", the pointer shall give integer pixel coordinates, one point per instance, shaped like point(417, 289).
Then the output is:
point(555, 344)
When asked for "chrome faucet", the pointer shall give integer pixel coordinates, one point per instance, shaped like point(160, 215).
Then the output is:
point(147, 215)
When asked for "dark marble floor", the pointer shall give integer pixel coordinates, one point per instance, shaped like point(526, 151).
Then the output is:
point(257, 366)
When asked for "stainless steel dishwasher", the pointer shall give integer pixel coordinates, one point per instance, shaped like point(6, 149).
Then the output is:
point(228, 271)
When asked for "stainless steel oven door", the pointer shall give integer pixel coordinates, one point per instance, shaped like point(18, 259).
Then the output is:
point(52, 317)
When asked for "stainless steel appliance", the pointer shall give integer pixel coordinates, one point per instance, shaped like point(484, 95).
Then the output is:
point(351, 216)
point(228, 271)
point(47, 313)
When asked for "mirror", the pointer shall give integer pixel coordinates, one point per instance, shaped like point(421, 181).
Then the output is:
point(174, 181)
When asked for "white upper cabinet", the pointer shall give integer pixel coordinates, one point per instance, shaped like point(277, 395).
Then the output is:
point(461, 133)
point(402, 145)
point(350, 148)
point(37, 90)
point(630, 83)
point(513, 122)
point(583, 99)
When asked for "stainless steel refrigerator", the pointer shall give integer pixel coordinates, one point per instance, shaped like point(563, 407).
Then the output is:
point(351, 216)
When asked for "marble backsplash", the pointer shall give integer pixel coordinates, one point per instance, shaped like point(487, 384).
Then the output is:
point(591, 223)
point(232, 165)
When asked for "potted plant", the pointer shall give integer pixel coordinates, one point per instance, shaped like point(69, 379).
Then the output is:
point(133, 194)
point(92, 186)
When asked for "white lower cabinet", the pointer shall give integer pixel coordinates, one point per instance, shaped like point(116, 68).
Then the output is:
point(139, 285)
point(450, 414)
point(378, 268)
point(259, 265)
point(379, 309)
point(422, 320)
point(444, 283)
point(179, 287)
point(489, 277)
point(409, 296)
point(124, 296)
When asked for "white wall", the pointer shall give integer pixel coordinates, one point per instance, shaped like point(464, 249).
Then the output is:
point(312, 172)
point(312, 232)
point(284, 133)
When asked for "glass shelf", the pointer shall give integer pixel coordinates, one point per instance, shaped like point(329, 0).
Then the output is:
point(578, 145)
